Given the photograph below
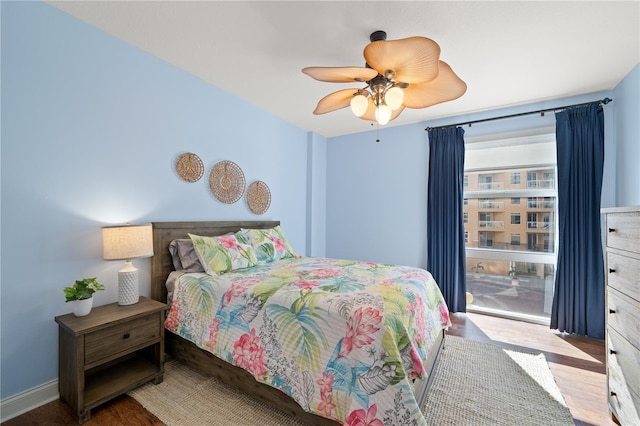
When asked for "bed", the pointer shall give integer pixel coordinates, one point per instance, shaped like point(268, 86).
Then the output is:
point(378, 361)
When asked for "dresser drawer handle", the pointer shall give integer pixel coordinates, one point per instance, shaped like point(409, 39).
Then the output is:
point(612, 351)
point(612, 229)
point(612, 271)
point(612, 311)
point(126, 335)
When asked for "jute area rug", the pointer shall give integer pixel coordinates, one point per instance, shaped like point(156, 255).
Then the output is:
point(474, 384)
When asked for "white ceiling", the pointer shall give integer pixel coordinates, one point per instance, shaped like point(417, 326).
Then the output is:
point(509, 53)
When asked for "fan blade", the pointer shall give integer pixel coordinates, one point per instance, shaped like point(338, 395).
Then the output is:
point(447, 86)
point(414, 59)
point(334, 101)
point(370, 115)
point(340, 74)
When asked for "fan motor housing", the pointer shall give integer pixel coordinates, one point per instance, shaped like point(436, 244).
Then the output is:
point(378, 36)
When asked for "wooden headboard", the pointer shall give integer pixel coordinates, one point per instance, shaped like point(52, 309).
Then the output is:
point(165, 232)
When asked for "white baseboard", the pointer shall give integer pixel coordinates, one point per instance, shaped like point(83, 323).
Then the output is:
point(28, 400)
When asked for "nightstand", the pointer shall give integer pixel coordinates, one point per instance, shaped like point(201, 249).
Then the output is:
point(109, 352)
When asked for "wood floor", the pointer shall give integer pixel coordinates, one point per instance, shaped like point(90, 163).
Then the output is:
point(577, 363)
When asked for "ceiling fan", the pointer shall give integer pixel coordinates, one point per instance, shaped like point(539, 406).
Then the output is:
point(399, 74)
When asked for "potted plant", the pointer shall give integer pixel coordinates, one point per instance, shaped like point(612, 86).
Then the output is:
point(80, 295)
point(477, 269)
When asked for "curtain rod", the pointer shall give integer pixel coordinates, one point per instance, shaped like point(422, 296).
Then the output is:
point(541, 112)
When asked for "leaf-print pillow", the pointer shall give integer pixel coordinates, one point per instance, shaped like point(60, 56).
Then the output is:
point(269, 244)
point(224, 253)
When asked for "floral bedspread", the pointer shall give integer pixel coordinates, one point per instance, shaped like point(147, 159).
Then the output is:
point(344, 339)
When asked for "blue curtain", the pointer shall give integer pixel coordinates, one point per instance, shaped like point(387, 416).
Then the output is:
point(578, 301)
point(445, 227)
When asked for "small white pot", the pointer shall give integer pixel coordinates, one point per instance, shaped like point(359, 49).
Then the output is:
point(81, 307)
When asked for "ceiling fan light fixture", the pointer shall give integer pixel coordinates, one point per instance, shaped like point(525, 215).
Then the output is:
point(359, 104)
point(394, 97)
point(383, 114)
point(399, 74)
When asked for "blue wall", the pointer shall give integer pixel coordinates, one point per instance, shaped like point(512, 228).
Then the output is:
point(91, 128)
point(627, 125)
point(376, 195)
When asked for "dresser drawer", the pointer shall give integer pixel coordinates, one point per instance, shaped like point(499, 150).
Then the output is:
point(623, 274)
point(624, 363)
point(623, 403)
point(623, 368)
point(623, 231)
point(120, 338)
point(623, 315)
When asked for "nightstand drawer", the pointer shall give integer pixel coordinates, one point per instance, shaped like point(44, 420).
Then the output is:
point(119, 339)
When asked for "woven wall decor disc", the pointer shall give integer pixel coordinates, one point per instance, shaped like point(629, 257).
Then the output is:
point(227, 181)
point(258, 197)
point(189, 167)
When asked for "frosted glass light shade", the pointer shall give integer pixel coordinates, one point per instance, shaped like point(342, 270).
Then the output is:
point(127, 242)
point(394, 97)
point(359, 105)
point(383, 114)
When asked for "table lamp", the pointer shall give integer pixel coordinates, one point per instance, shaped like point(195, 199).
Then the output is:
point(126, 242)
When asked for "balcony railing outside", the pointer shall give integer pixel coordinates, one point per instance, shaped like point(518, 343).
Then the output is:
point(490, 185)
point(540, 204)
point(546, 183)
point(540, 225)
point(499, 245)
point(491, 205)
point(491, 224)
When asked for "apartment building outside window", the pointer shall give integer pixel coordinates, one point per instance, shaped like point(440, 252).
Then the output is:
point(510, 225)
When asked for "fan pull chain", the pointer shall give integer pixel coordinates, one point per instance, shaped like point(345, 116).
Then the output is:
point(377, 131)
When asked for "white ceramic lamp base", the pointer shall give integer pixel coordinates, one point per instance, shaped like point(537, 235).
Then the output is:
point(128, 284)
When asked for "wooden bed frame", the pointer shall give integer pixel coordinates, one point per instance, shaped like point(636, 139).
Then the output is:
point(207, 363)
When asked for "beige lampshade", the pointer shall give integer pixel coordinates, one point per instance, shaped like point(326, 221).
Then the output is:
point(127, 242)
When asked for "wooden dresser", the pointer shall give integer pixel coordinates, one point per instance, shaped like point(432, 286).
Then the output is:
point(623, 312)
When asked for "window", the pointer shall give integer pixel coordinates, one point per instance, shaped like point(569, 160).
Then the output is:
point(515, 226)
point(485, 239)
point(465, 215)
point(466, 181)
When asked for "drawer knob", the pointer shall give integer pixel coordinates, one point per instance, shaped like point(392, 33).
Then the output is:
point(126, 335)
point(612, 351)
point(612, 229)
point(612, 311)
point(612, 271)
